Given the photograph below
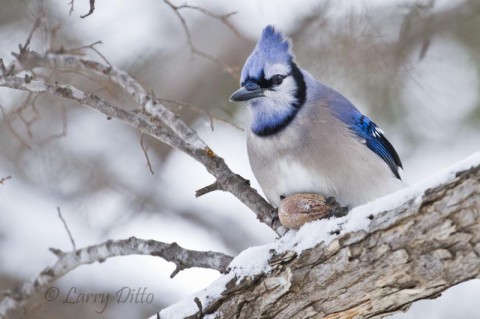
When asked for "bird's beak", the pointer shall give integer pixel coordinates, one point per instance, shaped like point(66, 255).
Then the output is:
point(243, 94)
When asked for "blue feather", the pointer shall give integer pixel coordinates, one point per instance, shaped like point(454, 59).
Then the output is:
point(366, 130)
point(376, 141)
point(271, 48)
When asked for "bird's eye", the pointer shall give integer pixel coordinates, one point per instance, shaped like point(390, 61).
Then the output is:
point(277, 79)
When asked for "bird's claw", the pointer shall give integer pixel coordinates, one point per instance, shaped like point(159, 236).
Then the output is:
point(274, 215)
point(336, 210)
point(331, 201)
point(339, 211)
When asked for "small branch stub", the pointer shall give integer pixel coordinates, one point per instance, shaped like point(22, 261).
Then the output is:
point(3, 179)
point(92, 8)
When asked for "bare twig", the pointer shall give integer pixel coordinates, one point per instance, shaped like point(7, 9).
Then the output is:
point(20, 113)
point(208, 189)
point(3, 179)
point(63, 133)
point(183, 259)
point(71, 4)
point(30, 101)
point(36, 24)
point(10, 127)
point(78, 50)
point(145, 149)
point(92, 8)
point(198, 109)
point(184, 24)
point(235, 72)
point(92, 47)
point(216, 186)
point(67, 229)
point(222, 17)
point(53, 35)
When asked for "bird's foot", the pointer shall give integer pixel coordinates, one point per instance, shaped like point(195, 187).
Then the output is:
point(274, 216)
point(336, 210)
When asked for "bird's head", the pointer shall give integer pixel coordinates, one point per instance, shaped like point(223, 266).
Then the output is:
point(271, 83)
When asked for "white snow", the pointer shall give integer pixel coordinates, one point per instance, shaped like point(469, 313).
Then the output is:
point(36, 86)
point(254, 260)
point(79, 95)
point(187, 306)
point(251, 261)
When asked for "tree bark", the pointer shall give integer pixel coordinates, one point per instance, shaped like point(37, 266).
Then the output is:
point(415, 251)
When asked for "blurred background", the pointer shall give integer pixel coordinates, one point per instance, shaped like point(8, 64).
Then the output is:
point(412, 66)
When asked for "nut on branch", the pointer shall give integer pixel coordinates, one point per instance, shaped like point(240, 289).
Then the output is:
point(298, 209)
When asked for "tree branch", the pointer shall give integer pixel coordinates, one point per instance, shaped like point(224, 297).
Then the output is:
point(233, 71)
point(90, 11)
point(64, 222)
point(407, 246)
point(181, 136)
point(4, 179)
point(183, 259)
point(145, 152)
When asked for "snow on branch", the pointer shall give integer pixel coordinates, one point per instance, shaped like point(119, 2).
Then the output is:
point(178, 134)
point(382, 257)
point(183, 259)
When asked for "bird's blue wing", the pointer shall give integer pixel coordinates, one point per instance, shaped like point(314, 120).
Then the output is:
point(365, 129)
point(368, 131)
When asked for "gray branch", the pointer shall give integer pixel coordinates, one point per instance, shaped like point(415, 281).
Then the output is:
point(179, 134)
point(414, 251)
point(183, 259)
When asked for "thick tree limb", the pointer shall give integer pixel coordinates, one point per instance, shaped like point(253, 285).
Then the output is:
point(413, 251)
point(179, 136)
point(183, 259)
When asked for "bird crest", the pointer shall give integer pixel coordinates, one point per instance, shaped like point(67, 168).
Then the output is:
point(272, 48)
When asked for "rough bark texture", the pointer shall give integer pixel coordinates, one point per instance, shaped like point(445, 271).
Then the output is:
point(413, 252)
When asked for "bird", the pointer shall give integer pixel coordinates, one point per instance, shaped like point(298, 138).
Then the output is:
point(306, 137)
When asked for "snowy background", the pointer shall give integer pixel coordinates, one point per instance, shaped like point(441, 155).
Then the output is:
point(412, 66)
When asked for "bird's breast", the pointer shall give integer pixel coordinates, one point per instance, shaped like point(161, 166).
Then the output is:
point(283, 165)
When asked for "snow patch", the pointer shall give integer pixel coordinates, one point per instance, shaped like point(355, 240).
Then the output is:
point(251, 261)
point(79, 95)
point(187, 306)
point(36, 86)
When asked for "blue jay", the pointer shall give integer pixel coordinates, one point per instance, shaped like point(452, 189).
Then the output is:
point(305, 137)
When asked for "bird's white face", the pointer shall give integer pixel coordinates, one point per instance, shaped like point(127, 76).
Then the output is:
point(277, 84)
point(274, 94)
point(283, 93)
